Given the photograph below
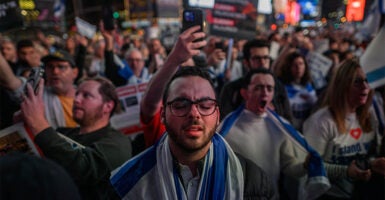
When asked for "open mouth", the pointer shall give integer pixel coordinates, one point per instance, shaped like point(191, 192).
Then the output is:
point(263, 103)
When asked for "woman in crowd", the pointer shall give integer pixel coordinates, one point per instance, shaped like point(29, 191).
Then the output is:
point(343, 131)
point(295, 74)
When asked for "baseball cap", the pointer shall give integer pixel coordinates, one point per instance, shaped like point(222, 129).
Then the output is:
point(59, 55)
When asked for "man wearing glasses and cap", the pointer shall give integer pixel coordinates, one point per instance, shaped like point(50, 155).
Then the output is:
point(61, 72)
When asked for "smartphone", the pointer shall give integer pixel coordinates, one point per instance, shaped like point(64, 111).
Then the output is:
point(193, 17)
point(108, 19)
point(361, 162)
point(34, 77)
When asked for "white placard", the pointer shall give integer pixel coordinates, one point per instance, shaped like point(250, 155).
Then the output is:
point(128, 121)
point(84, 28)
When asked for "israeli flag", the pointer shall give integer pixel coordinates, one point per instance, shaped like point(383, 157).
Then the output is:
point(59, 8)
point(317, 182)
point(373, 60)
point(371, 24)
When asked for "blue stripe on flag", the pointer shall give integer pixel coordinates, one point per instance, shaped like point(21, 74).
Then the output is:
point(376, 74)
point(229, 120)
point(131, 172)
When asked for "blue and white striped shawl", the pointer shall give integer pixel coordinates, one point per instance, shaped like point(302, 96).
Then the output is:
point(152, 174)
point(317, 183)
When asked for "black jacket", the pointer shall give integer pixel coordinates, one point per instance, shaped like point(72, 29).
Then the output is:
point(90, 167)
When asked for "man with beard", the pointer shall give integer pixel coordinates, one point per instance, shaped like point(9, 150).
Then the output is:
point(91, 151)
point(190, 160)
point(61, 72)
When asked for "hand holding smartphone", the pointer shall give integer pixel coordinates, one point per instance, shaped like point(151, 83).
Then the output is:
point(34, 78)
point(193, 17)
point(108, 19)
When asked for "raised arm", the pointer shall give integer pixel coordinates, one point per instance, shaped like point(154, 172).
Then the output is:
point(184, 49)
point(111, 67)
point(8, 79)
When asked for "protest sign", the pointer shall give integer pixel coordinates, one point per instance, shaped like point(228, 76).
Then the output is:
point(84, 28)
point(319, 66)
point(232, 19)
point(128, 120)
point(17, 138)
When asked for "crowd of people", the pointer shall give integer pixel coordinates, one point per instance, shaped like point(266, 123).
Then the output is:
point(244, 123)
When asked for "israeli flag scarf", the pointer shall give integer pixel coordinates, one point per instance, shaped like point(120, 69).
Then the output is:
point(317, 182)
point(152, 174)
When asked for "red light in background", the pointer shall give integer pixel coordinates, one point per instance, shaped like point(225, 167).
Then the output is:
point(355, 10)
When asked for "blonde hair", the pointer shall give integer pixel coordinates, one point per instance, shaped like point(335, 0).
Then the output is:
point(337, 95)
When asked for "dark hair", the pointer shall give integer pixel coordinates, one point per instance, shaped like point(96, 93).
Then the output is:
point(298, 29)
point(247, 78)
point(330, 52)
point(184, 72)
point(24, 176)
point(106, 89)
point(286, 77)
point(332, 40)
point(255, 43)
point(24, 43)
point(347, 40)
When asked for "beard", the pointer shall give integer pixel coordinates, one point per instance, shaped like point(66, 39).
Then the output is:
point(89, 117)
point(189, 145)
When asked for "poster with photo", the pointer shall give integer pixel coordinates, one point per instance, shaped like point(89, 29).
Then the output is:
point(17, 138)
point(128, 119)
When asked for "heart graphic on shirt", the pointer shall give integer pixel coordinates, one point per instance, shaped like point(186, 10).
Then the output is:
point(356, 133)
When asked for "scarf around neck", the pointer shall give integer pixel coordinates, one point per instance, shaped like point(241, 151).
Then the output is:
point(152, 174)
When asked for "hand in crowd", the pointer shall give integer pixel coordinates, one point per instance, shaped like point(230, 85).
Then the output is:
point(108, 36)
point(357, 173)
point(378, 165)
point(32, 109)
point(82, 40)
point(187, 44)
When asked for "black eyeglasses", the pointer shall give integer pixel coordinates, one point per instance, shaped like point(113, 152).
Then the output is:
point(180, 107)
point(61, 67)
point(359, 81)
point(256, 58)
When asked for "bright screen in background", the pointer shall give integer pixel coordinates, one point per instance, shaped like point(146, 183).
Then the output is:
point(265, 7)
point(309, 7)
point(201, 3)
point(355, 10)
